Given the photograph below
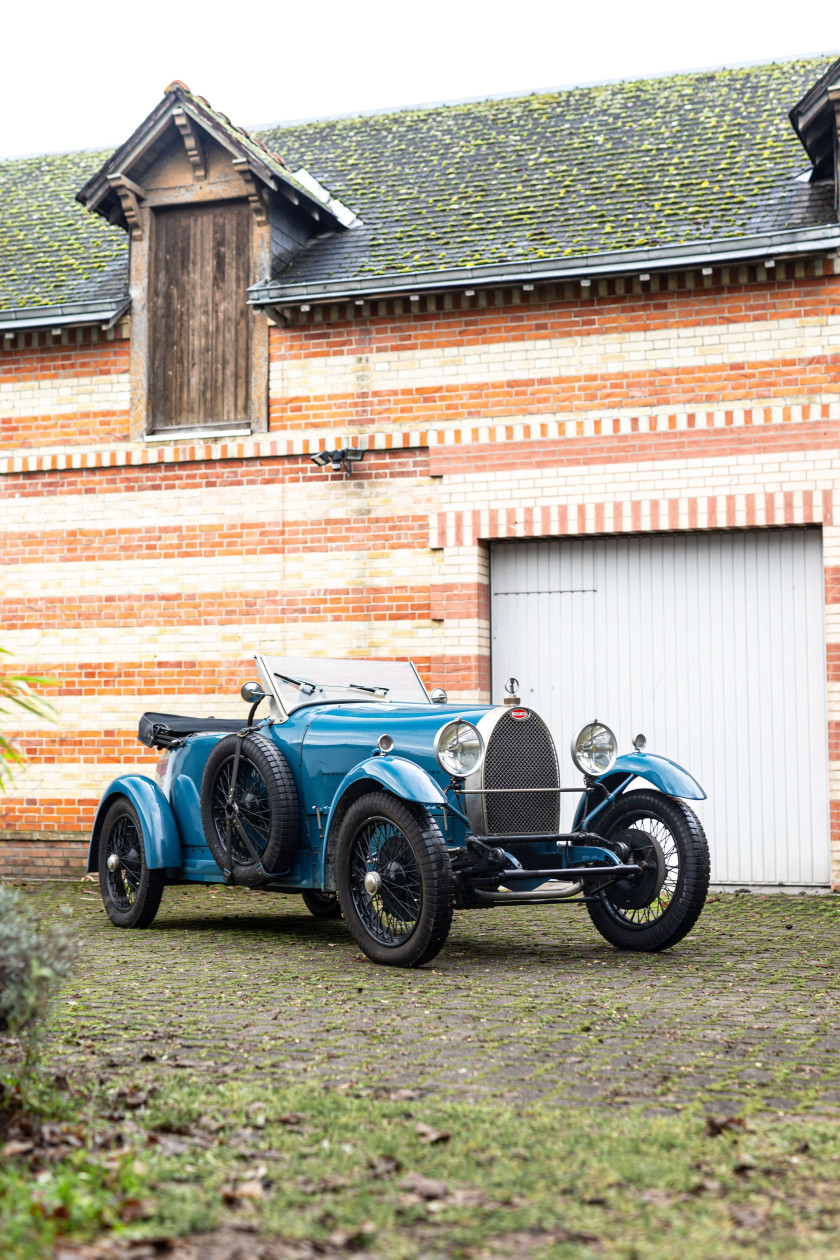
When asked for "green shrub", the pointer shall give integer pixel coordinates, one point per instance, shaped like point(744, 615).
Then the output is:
point(33, 959)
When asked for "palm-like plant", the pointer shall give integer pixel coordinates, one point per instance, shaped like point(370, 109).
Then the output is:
point(16, 693)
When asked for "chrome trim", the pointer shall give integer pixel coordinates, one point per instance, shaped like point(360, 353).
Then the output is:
point(420, 680)
point(385, 743)
point(276, 711)
point(474, 806)
point(583, 769)
point(457, 721)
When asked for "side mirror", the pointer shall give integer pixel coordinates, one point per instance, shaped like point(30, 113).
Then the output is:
point(438, 696)
point(252, 692)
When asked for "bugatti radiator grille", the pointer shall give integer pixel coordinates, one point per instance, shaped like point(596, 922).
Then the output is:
point(520, 754)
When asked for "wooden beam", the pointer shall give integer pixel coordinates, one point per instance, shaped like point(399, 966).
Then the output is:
point(193, 145)
point(275, 315)
point(129, 194)
point(255, 195)
point(138, 189)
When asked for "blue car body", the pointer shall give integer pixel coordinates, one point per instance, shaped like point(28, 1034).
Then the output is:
point(332, 750)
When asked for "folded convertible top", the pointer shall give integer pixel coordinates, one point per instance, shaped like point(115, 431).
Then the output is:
point(162, 730)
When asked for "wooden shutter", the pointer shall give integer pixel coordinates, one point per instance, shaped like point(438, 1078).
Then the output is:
point(200, 327)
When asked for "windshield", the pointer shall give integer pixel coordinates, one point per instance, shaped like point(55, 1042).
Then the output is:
point(299, 680)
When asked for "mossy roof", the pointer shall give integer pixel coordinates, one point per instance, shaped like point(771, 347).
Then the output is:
point(51, 252)
point(573, 173)
point(580, 172)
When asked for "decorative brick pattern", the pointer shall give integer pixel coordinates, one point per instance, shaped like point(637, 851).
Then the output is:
point(144, 575)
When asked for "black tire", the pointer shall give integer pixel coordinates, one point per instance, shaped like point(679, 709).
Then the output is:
point(405, 923)
point(324, 905)
point(264, 817)
point(666, 834)
point(131, 892)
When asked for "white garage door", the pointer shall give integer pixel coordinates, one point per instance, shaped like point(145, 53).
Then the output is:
point(713, 646)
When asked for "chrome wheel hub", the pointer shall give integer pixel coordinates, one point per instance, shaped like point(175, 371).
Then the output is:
point(113, 863)
point(373, 883)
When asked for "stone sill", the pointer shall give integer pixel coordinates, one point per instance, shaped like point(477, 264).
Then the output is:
point(202, 434)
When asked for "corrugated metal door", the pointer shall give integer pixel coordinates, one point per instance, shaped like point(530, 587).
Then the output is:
point(713, 646)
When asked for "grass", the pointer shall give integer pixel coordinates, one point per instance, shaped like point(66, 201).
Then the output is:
point(239, 1072)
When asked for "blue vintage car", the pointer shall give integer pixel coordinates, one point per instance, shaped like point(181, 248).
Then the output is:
point(388, 806)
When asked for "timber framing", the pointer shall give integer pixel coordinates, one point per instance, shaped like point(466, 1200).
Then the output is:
point(194, 147)
point(195, 121)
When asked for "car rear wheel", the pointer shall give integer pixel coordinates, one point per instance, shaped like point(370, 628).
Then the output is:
point(656, 909)
point(131, 893)
point(394, 881)
point(324, 905)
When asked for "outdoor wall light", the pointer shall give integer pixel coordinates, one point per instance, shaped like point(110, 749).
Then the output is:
point(338, 459)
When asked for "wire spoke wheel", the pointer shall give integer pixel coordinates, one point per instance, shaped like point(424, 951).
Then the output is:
point(124, 875)
point(656, 908)
point(390, 913)
point(394, 880)
point(131, 892)
point(652, 846)
point(247, 811)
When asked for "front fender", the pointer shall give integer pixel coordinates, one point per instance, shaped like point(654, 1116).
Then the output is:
point(662, 773)
point(397, 775)
point(160, 830)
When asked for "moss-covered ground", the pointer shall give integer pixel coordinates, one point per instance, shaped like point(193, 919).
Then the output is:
point(239, 1081)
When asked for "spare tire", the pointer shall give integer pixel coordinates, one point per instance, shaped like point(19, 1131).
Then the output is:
point(261, 813)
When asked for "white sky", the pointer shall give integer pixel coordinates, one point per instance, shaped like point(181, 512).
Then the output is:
point(83, 76)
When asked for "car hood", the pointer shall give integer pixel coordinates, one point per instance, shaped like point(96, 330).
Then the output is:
point(329, 740)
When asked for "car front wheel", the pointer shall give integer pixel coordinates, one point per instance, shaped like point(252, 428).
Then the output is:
point(394, 881)
point(655, 909)
point(131, 892)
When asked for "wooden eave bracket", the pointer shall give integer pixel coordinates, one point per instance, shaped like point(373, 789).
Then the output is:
point(275, 315)
point(255, 193)
point(193, 145)
point(130, 194)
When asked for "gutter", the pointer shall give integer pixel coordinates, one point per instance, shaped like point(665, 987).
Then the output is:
point(20, 318)
point(701, 253)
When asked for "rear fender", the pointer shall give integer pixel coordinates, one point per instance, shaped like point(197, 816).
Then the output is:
point(396, 775)
point(160, 830)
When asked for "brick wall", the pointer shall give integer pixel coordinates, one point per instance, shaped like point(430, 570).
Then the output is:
point(142, 575)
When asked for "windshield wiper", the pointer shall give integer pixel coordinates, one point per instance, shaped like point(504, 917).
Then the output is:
point(308, 688)
point(372, 690)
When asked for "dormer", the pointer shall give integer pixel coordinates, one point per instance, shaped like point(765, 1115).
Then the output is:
point(816, 120)
point(209, 211)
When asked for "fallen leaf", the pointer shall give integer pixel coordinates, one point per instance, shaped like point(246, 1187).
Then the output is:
point(291, 1119)
point(246, 1190)
point(384, 1166)
point(747, 1217)
point(136, 1210)
point(13, 1149)
point(425, 1187)
point(353, 1239)
point(715, 1125)
point(430, 1135)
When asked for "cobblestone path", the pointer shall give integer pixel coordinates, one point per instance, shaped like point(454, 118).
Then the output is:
point(521, 1005)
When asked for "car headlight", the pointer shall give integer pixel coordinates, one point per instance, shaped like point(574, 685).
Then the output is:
point(594, 749)
point(459, 748)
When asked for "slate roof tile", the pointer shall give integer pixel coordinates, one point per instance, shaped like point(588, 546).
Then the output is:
point(555, 175)
point(583, 171)
point(51, 252)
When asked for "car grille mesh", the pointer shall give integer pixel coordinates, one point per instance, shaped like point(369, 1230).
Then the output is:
point(521, 754)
